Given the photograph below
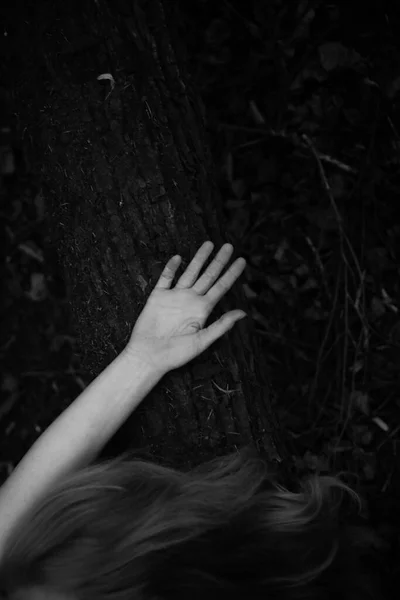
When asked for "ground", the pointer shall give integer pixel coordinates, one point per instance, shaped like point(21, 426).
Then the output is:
point(302, 104)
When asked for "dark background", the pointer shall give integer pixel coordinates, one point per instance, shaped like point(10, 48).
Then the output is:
point(302, 103)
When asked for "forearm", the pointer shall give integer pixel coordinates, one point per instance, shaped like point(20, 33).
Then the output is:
point(77, 436)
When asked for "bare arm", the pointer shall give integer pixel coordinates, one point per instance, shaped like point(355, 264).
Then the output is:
point(76, 437)
point(168, 334)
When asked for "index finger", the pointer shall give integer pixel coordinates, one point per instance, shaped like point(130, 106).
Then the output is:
point(165, 280)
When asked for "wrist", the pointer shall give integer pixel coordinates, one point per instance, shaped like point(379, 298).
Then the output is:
point(135, 354)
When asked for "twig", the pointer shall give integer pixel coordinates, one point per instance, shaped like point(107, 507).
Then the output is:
point(320, 265)
point(324, 180)
point(293, 139)
point(342, 238)
point(334, 206)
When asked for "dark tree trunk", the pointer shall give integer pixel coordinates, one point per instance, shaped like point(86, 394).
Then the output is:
point(126, 171)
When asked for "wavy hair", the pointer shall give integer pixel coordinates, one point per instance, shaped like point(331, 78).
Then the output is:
point(130, 529)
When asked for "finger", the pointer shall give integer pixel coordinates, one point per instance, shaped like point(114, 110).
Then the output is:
point(191, 273)
point(168, 273)
point(214, 269)
point(216, 330)
point(224, 284)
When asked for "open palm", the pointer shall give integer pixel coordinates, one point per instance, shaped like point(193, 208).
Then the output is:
point(169, 331)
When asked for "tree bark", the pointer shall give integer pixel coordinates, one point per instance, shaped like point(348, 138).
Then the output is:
point(126, 170)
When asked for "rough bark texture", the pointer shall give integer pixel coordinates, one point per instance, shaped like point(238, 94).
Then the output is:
point(127, 173)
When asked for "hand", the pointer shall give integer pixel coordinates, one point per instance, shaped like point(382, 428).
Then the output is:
point(169, 331)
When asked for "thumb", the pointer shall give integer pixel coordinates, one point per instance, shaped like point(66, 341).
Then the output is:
point(217, 329)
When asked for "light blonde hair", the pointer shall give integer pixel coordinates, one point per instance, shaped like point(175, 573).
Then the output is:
point(131, 529)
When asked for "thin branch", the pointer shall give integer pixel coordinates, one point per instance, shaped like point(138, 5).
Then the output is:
point(293, 139)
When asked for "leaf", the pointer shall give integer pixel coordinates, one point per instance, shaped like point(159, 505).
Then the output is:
point(32, 250)
point(256, 114)
point(324, 218)
point(280, 251)
point(337, 185)
point(366, 438)
point(268, 170)
point(357, 366)
point(217, 33)
point(304, 75)
point(361, 401)
point(9, 383)
point(7, 160)
point(333, 55)
point(316, 462)
point(315, 313)
point(277, 284)
point(389, 302)
point(377, 307)
point(107, 77)
point(38, 291)
point(228, 167)
point(369, 467)
point(381, 424)
point(40, 206)
point(302, 29)
point(366, 537)
point(393, 88)
point(238, 187)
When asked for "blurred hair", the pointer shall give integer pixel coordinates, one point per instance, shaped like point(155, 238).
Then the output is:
point(130, 529)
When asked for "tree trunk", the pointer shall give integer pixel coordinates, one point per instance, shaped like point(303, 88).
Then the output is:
point(126, 169)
